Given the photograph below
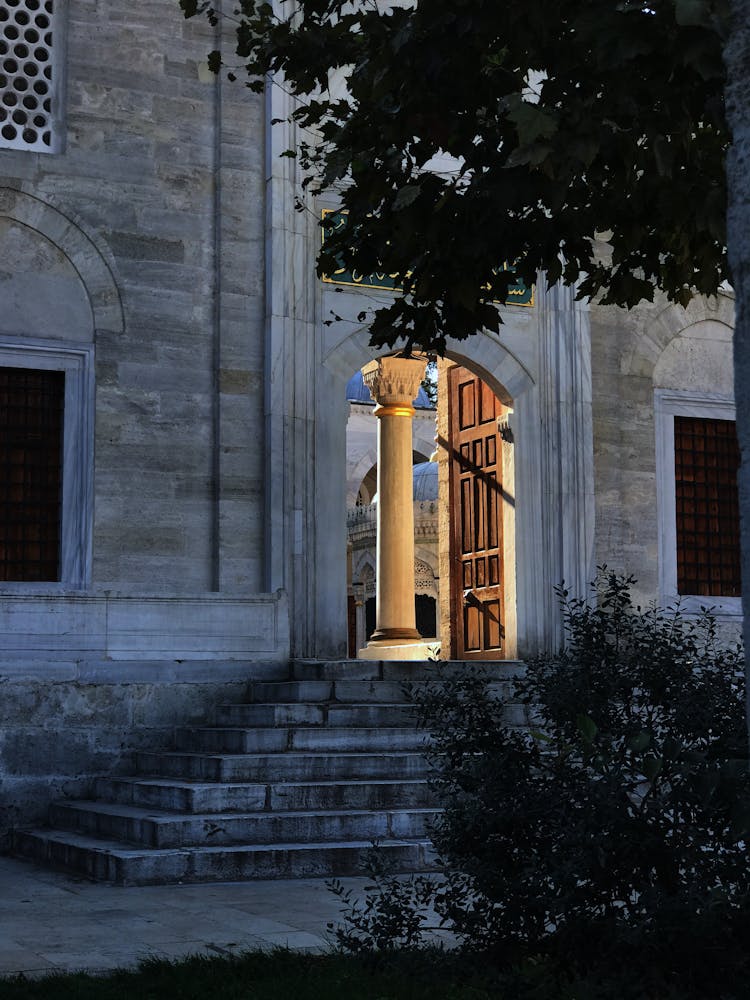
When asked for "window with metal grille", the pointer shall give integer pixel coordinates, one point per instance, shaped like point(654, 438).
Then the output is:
point(31, 429)
point(30, 75)
point(707, 507)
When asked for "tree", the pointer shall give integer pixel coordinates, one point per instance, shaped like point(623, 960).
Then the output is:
point(561, 120)
point(564, 120)
point(737, 56)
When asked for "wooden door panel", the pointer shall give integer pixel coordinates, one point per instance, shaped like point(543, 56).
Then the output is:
point(493, 512)
point(488, 406)
point(466, 405)
point(493, 625)
point(472, 630)
point(476, 528)
point(466, 514)
point(479, 541)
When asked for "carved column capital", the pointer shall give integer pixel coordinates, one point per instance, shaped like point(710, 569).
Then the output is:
point(394, 381)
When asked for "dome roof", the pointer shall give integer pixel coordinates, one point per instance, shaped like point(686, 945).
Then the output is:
point(357, 392)
point(425, 479)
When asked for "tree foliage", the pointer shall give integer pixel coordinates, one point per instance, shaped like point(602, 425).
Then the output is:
point(626, 803)
point(561, 121)
point(613, 828)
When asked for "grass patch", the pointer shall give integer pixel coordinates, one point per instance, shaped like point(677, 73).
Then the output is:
point(414, 975)
point(276, 975)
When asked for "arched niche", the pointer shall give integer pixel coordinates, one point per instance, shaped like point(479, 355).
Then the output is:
point(58, 292)
point(699, 359)
point(676, 321)
point(56, 282)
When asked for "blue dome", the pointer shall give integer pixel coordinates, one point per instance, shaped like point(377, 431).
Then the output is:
point(425, 479)
point(357, 392)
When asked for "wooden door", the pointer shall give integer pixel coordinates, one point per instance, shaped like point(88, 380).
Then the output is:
point(476, 542)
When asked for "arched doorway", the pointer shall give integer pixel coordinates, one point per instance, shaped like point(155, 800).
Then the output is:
point(464, 518)
point(537, 364)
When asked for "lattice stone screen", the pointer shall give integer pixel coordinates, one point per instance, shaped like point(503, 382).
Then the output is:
point(30, 75)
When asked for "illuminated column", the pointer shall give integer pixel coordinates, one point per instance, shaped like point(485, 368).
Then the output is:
point(393, 383)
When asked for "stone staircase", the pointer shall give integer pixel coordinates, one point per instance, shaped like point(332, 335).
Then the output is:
point(297, 783)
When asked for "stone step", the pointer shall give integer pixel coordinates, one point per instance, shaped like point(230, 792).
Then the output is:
point(297, 783)
point(110, 861)
point(164, 829)
point(390, 691)
point(316, 714)
point(402, 670)
point(286, 691)
point(355, 691)
point(182, 796)
point(241, 741)
point(298, 767)
point(201, 797)
point(352, 794)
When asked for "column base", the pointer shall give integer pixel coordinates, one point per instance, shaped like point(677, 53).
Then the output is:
point(394, 636)
point(427, 649)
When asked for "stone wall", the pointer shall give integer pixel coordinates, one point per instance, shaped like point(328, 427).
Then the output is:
point(624, 452)
point(635, 355)
point(65, 723)
point(134, 259)
point(162, 172)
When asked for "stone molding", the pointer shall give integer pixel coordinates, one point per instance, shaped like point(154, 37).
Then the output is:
point(49, 626)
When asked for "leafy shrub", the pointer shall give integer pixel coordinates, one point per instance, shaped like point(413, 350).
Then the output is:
point(612, 828)
point(394, 915)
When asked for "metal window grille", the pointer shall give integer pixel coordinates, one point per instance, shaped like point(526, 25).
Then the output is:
point(30, 77)
point(31, 428)
point(707, 507)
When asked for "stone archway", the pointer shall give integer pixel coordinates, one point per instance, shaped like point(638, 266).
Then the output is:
point(503, 365)
point(540, 362)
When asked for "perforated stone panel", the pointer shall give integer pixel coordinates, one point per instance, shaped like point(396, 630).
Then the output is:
point(29, 75)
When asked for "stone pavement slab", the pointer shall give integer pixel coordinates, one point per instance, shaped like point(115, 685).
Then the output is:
point(54, 922)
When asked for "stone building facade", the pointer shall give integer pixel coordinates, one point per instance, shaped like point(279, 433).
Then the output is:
point(152, 253)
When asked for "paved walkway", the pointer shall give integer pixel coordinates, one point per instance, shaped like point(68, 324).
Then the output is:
point(53, 922)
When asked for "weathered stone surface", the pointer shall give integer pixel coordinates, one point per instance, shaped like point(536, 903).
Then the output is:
point(636, 354)
point(277, 789)
point(143, 175)
point(56, 735)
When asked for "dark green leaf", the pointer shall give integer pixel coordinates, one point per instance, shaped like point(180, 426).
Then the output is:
point(586, 727)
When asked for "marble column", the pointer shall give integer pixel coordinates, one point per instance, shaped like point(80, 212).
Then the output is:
point(393, 383)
